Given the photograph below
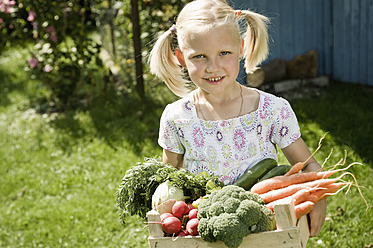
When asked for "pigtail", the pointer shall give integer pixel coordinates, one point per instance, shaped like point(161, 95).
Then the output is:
point(164, 64)
point(255, 39)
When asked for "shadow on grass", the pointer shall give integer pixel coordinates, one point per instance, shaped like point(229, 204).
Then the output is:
point(345, 112)
point(115, 119)
point(118, 117)
point(8, 84)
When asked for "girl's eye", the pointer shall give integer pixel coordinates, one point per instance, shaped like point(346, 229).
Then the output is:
point(225, 53)
point(199, 56)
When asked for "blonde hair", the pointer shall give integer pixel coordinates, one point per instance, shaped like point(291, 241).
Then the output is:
point(200, 16)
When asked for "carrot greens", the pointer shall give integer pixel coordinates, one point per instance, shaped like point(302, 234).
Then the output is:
point(134, 196)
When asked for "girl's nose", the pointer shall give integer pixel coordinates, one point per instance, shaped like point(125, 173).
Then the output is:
point(213, 65)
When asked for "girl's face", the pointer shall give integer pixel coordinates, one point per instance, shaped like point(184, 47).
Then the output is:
point(212, 59)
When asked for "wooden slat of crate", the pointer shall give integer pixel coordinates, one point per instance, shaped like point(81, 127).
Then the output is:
point(289, 233)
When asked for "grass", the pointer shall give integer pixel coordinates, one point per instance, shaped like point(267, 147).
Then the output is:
point(60, 172)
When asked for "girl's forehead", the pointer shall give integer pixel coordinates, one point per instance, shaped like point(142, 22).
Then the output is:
point(220, 36)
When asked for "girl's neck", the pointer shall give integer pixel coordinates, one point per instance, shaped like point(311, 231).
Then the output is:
point(224, 97)
point(226, 105)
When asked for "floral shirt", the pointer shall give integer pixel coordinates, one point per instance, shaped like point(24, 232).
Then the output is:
point(227, 148)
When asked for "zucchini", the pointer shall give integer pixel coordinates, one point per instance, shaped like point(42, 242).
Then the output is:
point(277, 171)
point(252, 175)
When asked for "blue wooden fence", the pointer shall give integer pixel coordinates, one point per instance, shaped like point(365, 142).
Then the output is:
point(340, 30)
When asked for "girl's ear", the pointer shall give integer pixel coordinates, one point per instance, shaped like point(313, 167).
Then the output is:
point(242, 48)
point(180, 57)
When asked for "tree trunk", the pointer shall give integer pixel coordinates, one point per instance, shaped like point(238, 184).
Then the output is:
point(111, 24)
point(137, 47)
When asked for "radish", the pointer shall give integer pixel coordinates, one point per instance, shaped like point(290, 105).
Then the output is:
point(171, 225)
point(165, 215)
point(182, 233)
point(190, 206)
point(192, 227)
point(179, 209)
point(193, 213)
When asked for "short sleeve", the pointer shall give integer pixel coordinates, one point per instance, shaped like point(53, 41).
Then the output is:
point(168, 132)
point(286, 127)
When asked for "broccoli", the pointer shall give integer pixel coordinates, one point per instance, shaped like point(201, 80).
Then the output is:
point(266, 222)
point(231, 213)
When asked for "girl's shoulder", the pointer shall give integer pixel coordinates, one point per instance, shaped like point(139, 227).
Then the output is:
point(270, 101)
point(182, 108)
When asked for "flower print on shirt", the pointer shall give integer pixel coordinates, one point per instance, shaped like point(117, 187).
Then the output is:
point(285, 113)
point(188, 106)
point(198, 137)
point(284, 131)
point(239, 139)
point(226, 151)
point(219, 136)
point(208, 127)
point(211, 150)
point(248, 122)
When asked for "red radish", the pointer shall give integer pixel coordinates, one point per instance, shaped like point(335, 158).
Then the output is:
point(190, 206)
point(192, 227)
point(165, 215)
point(171, 225)
point(193, 213)
point(179, 209)
point(182, 233)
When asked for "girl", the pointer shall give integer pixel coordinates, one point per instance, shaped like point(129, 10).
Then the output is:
point(221, 127)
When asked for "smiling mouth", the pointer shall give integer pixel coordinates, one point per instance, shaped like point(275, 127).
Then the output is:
point(214, 79)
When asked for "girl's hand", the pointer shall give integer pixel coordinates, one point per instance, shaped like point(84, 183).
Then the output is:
point(317, 218)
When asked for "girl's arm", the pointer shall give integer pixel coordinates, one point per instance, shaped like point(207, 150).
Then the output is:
point(175, 159)
point(299, 152)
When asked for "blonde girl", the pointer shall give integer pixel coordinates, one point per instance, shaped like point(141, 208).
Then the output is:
point(222, 127)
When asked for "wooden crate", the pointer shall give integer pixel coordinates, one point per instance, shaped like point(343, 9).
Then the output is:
point(289, 233)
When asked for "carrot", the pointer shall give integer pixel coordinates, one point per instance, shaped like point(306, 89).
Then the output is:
point(299, 166)
point(318, 195)
point(295, 169)
point(303, 208)
point(298, 197)
point(284, 181)
point(290, 190)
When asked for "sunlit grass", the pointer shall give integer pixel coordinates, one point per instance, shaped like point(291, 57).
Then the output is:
point(60, 172)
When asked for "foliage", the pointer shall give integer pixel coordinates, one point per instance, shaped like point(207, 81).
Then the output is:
point(134, 196)
point(115, 30)
point(66, 52)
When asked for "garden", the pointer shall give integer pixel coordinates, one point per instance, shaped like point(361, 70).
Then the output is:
point(75, 116)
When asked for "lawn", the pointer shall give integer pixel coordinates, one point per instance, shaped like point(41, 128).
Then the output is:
point(60, 171)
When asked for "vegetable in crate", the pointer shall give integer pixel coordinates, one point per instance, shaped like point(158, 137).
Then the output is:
point(164, 192)
point(255, 173)
point(135, 193)
point(134, 196)
point(231, 213)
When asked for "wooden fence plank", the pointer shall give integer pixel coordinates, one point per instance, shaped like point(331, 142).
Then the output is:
point(340, 30)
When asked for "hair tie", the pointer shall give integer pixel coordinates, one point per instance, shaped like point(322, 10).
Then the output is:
point(173, 29)
point(238, 14)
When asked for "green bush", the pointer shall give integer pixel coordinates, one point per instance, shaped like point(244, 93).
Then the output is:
point(67, 39)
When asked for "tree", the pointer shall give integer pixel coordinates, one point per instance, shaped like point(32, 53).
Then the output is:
point(137, 47)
